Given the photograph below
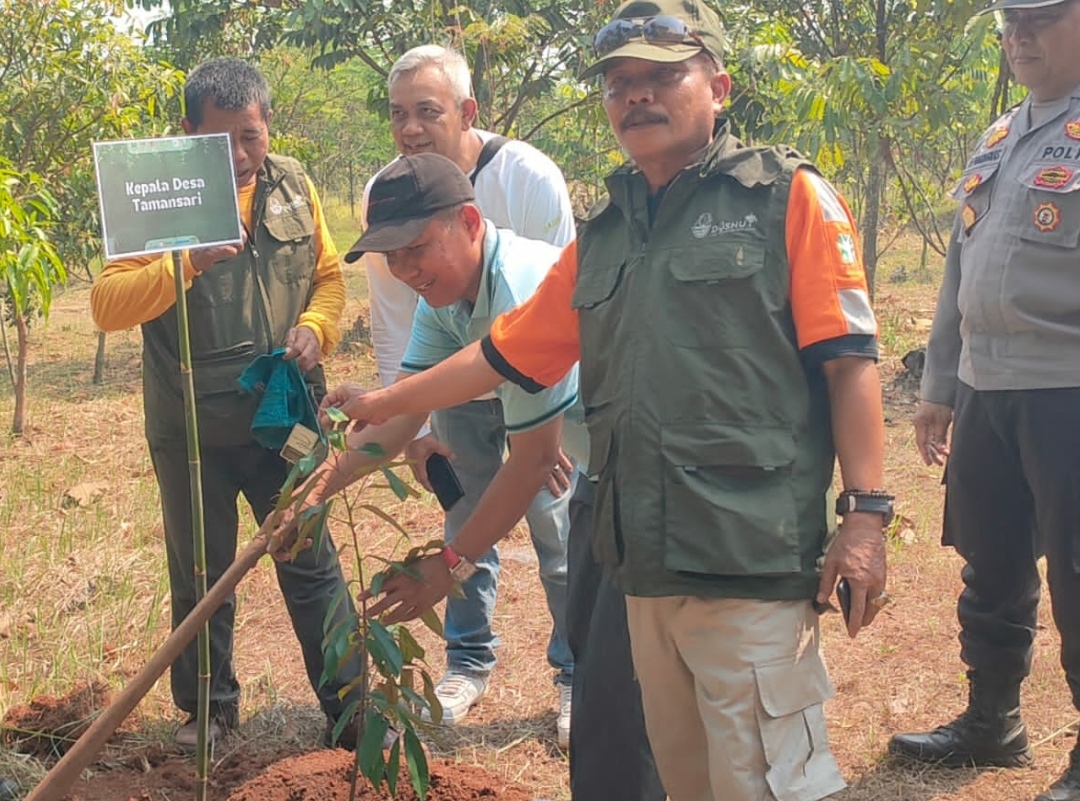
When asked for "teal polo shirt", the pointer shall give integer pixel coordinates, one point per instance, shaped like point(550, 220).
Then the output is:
point(513, 269)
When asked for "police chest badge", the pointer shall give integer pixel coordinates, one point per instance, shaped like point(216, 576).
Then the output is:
point(971, 182)
point(1053, 177)
point(1047, 217)
point(968, 216)
point(1072, 129)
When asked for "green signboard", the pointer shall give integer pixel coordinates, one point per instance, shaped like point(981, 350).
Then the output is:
point(166, 194)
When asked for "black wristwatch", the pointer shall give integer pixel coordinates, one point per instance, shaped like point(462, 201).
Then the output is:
point(872, 501)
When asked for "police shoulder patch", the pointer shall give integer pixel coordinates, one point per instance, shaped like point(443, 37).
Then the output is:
point(995, 136)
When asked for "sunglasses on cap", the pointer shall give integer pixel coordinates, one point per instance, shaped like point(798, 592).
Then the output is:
point(658, 30)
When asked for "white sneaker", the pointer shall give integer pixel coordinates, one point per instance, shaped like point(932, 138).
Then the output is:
point(457, 693)
point(562, 726)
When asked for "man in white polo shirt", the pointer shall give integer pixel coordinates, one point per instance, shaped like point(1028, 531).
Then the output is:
point(520, 189)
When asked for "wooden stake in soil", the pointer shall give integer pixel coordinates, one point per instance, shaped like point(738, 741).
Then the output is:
point(67, 770)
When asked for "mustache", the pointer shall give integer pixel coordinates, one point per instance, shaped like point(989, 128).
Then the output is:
point(639, 116)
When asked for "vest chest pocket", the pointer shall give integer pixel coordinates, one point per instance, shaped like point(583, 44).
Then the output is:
point(708, 283)
point(600, 325)
point(596, 286)
point(729, 505)
point(292, 234)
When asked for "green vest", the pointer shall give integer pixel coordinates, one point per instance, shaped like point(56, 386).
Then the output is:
point(713, 449)
point(237, 310)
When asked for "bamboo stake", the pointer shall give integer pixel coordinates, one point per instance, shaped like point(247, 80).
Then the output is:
point(64, 773)
point(198, 529)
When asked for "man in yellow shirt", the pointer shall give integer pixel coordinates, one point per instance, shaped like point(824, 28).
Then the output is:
point(282, 288)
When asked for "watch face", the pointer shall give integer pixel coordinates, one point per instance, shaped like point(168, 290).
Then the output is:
point(463, 571)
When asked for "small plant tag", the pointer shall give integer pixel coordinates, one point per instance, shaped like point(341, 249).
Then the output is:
point(302, 440)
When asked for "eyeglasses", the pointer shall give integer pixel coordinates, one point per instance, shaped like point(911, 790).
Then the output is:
point(661, 30)
point(1034, 22)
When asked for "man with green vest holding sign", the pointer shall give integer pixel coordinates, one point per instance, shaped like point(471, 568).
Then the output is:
point(282, 288)
point(727, 356)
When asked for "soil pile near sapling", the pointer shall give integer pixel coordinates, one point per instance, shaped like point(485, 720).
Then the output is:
point(325, 776)
point(48, 726)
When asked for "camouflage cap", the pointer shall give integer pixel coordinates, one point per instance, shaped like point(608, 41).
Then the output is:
point(1005, 5)
point(707, 33)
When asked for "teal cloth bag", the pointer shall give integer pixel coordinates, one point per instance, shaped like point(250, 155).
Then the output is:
point(285, 402)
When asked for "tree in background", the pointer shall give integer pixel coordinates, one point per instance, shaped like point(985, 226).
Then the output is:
point(524, 56)
point(68, 76)
point(886, 96)
point(29, 268)
point(324, 118)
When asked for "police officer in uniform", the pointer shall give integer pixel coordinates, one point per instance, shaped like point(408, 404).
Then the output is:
point(1003, 369)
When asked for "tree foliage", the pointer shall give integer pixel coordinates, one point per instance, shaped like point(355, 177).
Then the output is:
point(886, 95)
point(67, 77)
point(520, 52)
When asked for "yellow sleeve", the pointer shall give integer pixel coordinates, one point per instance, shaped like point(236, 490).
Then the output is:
point(323, 313)
point(133, 291)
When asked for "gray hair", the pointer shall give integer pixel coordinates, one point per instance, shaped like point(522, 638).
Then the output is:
point(449, 61)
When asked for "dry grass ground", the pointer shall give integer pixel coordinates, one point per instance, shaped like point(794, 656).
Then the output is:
point(83, 592)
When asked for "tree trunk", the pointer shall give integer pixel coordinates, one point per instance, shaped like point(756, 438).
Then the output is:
point(18, 423)
point(352, 192)
point(99, 359)
point(875, 183)
point(7, 347)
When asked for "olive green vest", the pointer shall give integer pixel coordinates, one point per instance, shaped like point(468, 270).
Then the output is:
point(237, 310)
point(712, 447)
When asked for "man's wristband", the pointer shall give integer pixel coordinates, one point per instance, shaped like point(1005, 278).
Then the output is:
point(461, 569)
point(869, 501)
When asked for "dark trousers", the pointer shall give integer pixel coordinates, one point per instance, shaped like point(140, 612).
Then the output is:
point(1013, 495)
point(610, 758)
point(309, 584)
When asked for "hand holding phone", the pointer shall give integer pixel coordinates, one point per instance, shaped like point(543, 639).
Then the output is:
point(444, 481)
point(843, 595)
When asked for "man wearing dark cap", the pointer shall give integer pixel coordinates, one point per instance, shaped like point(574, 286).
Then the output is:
point(609, 751)
point(1003, 370)
point(728, 356)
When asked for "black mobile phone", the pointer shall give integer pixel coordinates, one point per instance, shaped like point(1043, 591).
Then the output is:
point(444, 481)
point(843, 595)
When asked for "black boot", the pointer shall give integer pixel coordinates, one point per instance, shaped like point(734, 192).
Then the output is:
point(1067, 788)
point(989, 733)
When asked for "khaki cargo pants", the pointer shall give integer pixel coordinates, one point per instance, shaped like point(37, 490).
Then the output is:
point(733, 693)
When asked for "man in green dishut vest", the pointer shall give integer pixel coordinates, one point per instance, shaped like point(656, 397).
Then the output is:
point(727, 357)
point(282, 289)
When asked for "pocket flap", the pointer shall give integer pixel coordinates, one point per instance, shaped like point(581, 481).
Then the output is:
point(595, 286)
point(292, 225)
point(789, 686)
point(715, 444)
point(719, 261)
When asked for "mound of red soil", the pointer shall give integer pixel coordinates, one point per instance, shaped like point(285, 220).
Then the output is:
point(248, 775)
point(324, 776)
point(49, 726)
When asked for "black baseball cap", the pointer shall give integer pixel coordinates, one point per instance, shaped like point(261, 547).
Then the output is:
point(403, 199)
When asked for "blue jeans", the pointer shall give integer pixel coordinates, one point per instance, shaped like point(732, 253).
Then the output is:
point(476, 434)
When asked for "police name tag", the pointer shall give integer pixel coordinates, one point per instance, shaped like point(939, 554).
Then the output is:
point(302, 441)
